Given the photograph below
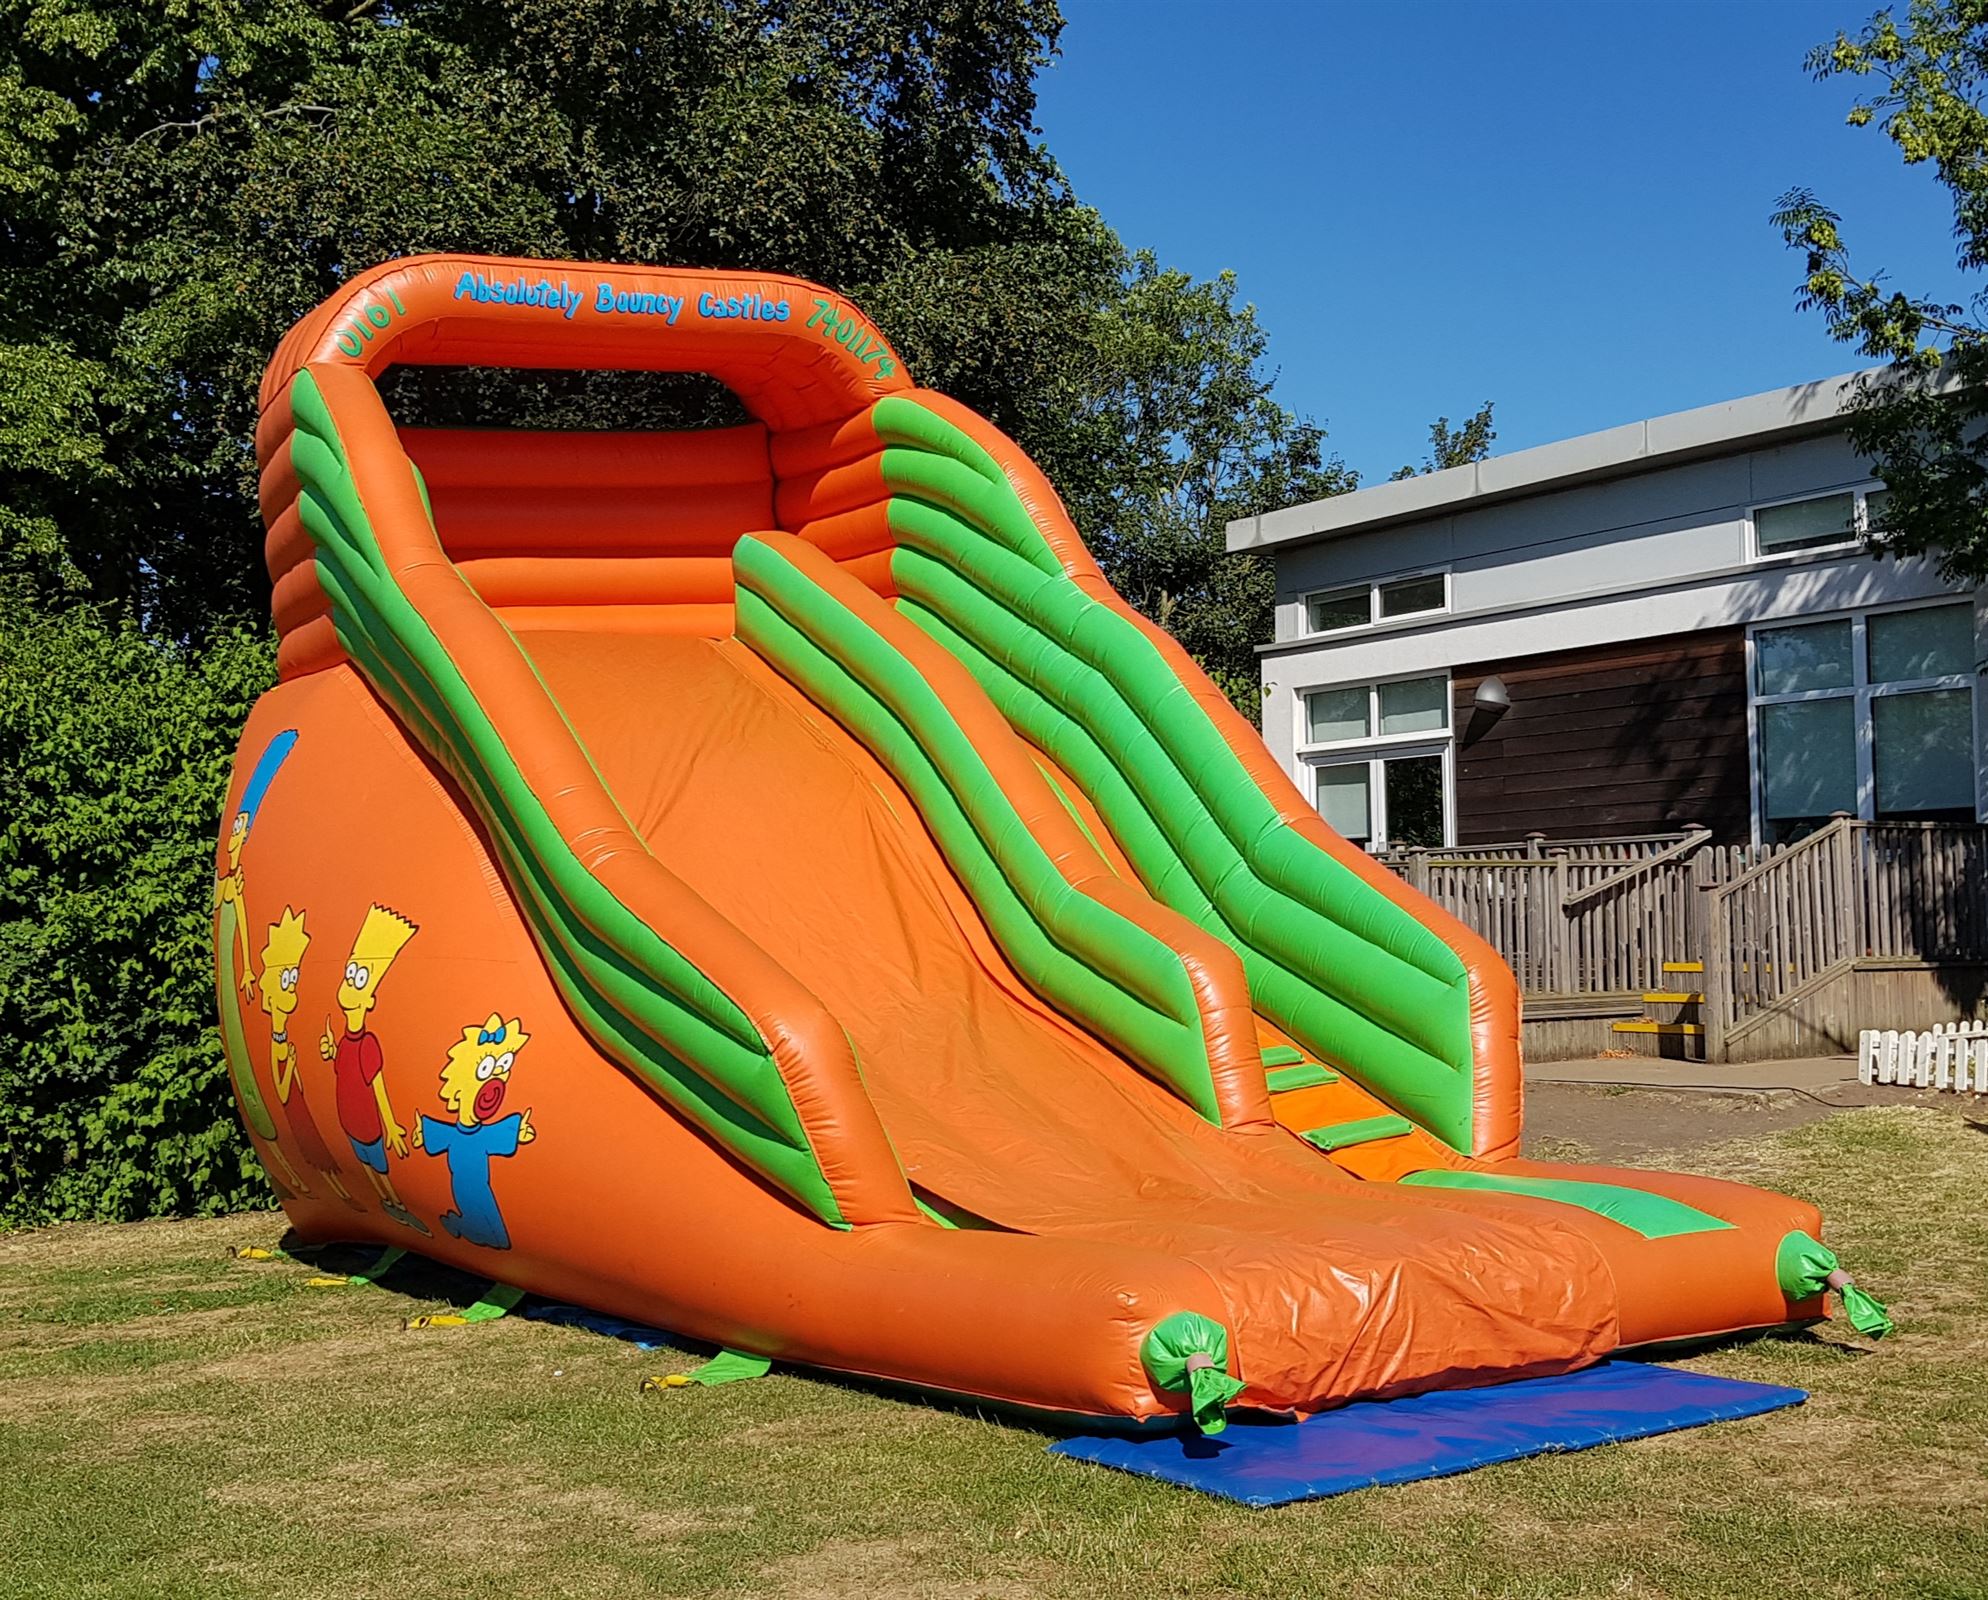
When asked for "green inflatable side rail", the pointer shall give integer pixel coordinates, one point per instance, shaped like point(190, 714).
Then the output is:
point(1099, 969)
point(234, 1036)
point(1343, 968)
point(1416, 1059)
point(648, 1006)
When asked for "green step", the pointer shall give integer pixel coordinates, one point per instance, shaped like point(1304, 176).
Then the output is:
point(1307, 1075)
point(1282, 1055)
point(1364, 1131)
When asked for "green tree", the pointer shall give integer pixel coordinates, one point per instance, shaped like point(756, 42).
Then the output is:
point(1182, 435)
point(184, 183)
point(1455, 447)
point(114, 755)
point(1919, 418)
point(178, 184)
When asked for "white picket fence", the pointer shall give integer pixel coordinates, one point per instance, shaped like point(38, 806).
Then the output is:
point(1952, 1055)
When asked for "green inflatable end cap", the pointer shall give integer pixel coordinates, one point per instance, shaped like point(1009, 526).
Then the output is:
point(1190, 1352)
point(1807, 1267)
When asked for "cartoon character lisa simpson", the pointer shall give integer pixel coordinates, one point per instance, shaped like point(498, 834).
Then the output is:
point(358, 1064)
point(282, 962)
point(474, 1081)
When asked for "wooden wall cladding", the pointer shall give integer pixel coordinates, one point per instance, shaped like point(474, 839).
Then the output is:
point(1640, 737)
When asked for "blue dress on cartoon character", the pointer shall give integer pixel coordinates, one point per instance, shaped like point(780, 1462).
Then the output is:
point(469, 1152)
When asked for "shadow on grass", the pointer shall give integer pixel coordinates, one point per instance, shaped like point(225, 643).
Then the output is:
point(415, 1276)
point(1807, 1335)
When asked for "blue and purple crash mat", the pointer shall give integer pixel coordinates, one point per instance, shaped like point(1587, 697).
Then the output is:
point(1432, 1435)
point(639, 1334)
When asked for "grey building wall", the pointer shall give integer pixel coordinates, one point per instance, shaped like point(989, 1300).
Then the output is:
point(1660, 553)
point(1654, 529)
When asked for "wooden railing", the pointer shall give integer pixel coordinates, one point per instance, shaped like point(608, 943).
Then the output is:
point(1770, 925)
point(1853, 892)
point(1922, 890)
point(1779, 929)
point(1579, 917)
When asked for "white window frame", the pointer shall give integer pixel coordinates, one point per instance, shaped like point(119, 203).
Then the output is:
point(1860, 692)
point(1859, 523)
point(1375, 748)
point(1373, 587)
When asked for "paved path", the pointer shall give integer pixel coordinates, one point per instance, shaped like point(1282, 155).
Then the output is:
point(1826, 1076)
point(1624, 1109)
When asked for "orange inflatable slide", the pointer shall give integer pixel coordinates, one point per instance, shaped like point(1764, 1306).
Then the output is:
point(763, 882)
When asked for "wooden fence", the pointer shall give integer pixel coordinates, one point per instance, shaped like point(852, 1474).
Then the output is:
point(1853, 893)
point(1587, 917)
point(1953, 1056)
point(1770, 925)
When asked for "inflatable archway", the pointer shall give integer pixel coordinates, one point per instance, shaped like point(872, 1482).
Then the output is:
point(762, 881)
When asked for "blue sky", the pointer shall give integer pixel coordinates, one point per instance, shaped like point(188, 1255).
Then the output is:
point(1561, 207)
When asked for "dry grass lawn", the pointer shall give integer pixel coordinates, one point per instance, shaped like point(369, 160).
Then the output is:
point(176, 1423)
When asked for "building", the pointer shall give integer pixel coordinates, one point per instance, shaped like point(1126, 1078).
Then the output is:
point(1662, 624)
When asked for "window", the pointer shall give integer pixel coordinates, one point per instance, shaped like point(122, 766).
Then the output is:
point(1361, 605)
point(1818, 522)
point(1339, 608)
point(1872, 714)
point(1378, 756)
point(1409, 596)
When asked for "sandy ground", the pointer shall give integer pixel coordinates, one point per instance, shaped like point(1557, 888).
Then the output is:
point(1606, 1122)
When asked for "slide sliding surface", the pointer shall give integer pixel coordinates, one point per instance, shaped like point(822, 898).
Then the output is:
point(762, 881)
point(1004, 1113)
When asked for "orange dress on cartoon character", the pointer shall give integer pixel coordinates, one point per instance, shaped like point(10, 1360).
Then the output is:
point(359, 1065)
point(282, 958)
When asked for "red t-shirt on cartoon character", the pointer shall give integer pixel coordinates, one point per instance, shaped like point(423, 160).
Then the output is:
point(358, 1062)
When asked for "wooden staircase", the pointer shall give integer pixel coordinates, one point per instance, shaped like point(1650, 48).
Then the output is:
point(1673, 1023)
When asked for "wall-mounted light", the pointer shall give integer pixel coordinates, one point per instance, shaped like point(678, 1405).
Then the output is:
point(1492, 697)
point(1491, 701)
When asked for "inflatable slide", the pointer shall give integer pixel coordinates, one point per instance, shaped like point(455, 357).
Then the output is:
point(761, 881)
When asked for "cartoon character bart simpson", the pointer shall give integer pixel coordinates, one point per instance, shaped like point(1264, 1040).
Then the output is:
point(474, 1080)
point(282, 962)
point(364, 1111)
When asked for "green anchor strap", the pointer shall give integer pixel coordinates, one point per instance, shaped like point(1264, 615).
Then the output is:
point(1808, 1267)
point(1191, 1352)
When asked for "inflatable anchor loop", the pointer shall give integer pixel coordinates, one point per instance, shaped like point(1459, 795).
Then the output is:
point(1190, 1352)
point(495, 1302)
point(727, 1366)
point(382, 1264)
point(731, 1366)
point(1807, 1267)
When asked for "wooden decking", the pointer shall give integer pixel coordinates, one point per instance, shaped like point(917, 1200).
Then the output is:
point(1787, 949)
